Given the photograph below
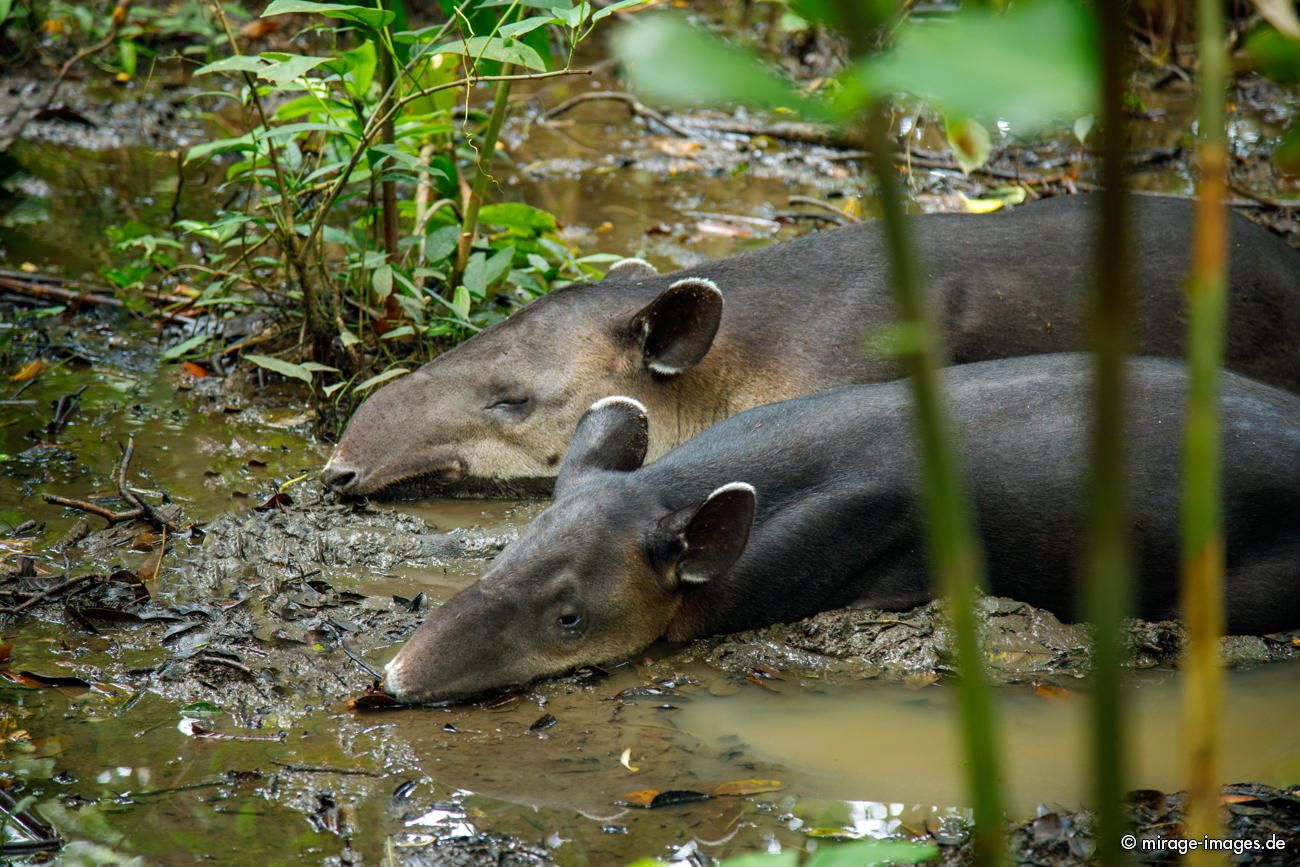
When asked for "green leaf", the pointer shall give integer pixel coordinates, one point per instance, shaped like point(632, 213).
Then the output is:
point(185, 347)
point(475, 277)
point(1286, 156)
point(612, 8)
point(515, 215)
point(672, 63)
point(1083, 126)
point(528, 25)
point(236, 63)
point(441, 243)
point(6, 6)
point(317, 367)
point(460, 301)
point(498, 265)
point(1032, 66)
point(391, 373)
point(870, 853)
point(286, 68)
point(494, 48)
point(1274, 55)
point(370, 17)
point(280, 366)
point(383, 280)
point(970, 142)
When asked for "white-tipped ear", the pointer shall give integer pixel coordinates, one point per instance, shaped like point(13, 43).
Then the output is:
point(631, 269)
point(716, 534)
point(612, 435)
point(678, 327)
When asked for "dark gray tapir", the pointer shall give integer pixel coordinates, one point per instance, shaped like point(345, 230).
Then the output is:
point(810, 504)
point(494, 416)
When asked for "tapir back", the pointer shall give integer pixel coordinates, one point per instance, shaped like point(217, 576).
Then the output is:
point(838, 521)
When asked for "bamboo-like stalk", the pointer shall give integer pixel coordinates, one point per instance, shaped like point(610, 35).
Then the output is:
point(1202, 525)
point(483, 172)
point(1108, 560)
point(954, 554)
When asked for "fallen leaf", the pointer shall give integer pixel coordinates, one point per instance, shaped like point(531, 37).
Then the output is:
point(1238, 799)
point(724, 230)
point(260, 28)
point(1055, 693)
point(737, 788)
point(197, 371)
point(675, 147)
point(374, 701)
point(626, 760)
point(982, 206)
point(28, 370)
point(673, 797)
point(639, 798)
point(28, 268)
point(27, 678)
point(543, 723)
point(920, 680)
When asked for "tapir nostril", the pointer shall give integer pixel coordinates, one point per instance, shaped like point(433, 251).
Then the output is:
point(339, 478)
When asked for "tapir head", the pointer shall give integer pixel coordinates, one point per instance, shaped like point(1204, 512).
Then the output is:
point(494, 415)
point(595, 578)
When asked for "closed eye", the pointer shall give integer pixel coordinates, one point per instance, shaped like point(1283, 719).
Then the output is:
point(508, 402)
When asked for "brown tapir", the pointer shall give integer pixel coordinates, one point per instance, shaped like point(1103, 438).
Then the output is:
point(810, 504)
point(494, 415)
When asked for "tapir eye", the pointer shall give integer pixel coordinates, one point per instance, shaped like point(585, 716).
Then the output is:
point(569, 621)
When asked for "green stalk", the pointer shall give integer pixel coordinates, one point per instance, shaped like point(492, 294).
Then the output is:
point(482, 174)
point(1108, 561)
point(1202, 525)
point(955, 558)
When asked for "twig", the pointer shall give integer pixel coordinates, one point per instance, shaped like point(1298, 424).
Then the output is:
point(634, 105)
point(142, 510)
point(839, 216)
point(323, 769)
point(47, 593)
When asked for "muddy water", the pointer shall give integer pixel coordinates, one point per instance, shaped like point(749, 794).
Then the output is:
point(129, 772)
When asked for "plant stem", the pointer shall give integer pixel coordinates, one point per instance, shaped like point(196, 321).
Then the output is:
point(1107, 566)
point(483, 173)
point(1202, 552)
point(387, 135)
point(954, 554)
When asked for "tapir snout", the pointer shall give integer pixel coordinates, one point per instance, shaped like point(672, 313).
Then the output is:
point(599, 575)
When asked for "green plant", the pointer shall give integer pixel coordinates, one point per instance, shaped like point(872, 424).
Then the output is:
point(328, 139)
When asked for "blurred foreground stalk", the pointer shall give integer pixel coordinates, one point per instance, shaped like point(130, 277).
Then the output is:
point(955, 558)
point(1202, 527)
point(1108, 563)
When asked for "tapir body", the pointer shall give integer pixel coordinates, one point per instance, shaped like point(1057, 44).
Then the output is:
point(812, 504)
point(494, 416)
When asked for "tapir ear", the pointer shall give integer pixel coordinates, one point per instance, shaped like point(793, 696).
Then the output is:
point(612, 435)
point(677, 328)
point(631, 269)
point(714, 536)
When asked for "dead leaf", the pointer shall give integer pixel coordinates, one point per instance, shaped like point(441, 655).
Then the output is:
point(260, 28)
point(675, 147)
point(737, 788)
point(28, 268)
point(1238, 799)
point(28, 370)
point(920, 680)
point(1054, 693)
point(197, 371)
point(626, 760)
point(723, 230)
point(27, 678)
point(639, 798)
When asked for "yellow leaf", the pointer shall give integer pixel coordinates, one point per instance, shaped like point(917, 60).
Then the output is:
point(28, 370)
point(746, 787)
point(982, 206)
point(626, 760)
point(28, 268)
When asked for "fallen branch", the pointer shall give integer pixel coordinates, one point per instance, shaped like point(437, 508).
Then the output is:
point(47, 291)
point(140, 509)
point(47, 593)
point(634, 105)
